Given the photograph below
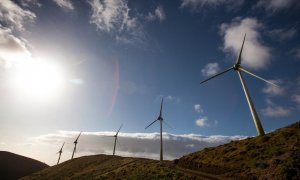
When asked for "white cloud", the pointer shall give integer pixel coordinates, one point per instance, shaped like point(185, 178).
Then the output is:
point(159, 14)
point(275, 5)
point(202, 4)
point(210, 69)
point(112, 16)
point(198, 108)
point(14, 15)
point(202, 122)
point(296, 98)
point(255, 54)
point(173, 98)
point(296, 52)
point(65, 4)
point(12, 48)
point(272, 90)
point(274, 110)
point(28, 3)
point(131, 144)
point(282, 34)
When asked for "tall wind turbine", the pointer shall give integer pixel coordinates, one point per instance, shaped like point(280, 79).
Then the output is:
point(160, 119)
point(239, 69)
point(75, 142)
point(116, 139)
point(60, 151)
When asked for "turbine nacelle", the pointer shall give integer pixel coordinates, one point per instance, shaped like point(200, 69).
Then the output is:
point(236, 66)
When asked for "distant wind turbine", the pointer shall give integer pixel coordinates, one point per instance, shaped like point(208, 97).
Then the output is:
point(75, 142)
point(239, 69)
point(160, 119)
point(60, 151)
point(116, 139)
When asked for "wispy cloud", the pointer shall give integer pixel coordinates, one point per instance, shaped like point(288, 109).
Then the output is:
point(275, 5)
point(131, 144)
point(202, 122)
point(274, 110)
point(198, 108)
point(296, 52)
point(112, 16)
point(158, 14)
point(28, 3)
point(196, 5)
point(65, 4)
point(296, 98)
point(15, 16)
point(282, 34)
point(173, 98)
point(271, 90)
point(12, 48)
point(210, 69)
point(255, 54)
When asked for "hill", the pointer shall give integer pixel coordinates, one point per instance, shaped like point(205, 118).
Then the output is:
point(116, 167)
point(14, 166)
point(273, 156)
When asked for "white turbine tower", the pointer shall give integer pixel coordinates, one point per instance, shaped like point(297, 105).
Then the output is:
point(60, 151)
point(75, 142)
point(239, 69)
point(160, 119)
point(116, 139)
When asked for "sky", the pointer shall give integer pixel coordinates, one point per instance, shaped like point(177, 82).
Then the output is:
point(68, 66)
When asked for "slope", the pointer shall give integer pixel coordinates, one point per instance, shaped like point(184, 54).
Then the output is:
point(14, 166)
point(275, 155)
point(116, 167)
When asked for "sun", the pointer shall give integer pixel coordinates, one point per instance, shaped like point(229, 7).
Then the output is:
point(38, 79)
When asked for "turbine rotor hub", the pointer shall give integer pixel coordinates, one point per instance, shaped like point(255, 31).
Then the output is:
point(236, 66)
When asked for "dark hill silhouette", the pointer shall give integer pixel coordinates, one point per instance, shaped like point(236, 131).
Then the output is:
point(273, 156)
point(14, 166)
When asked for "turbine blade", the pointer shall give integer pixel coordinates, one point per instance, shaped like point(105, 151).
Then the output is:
point(62, 146)
point(161, 106)
point(244, 70)
point(78, 136)
point(239, 59)
point(151, 124)
point(168, 125)
point(119, 130)
point(118, 142)
point(217, 75)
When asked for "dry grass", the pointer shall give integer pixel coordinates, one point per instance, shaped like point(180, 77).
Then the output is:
point(275, 155)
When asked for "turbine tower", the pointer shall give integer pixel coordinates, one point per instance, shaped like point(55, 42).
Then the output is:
point(160, 119)
point(60, 151)
point(239, 69)
point(75, 142)
point(116, 139)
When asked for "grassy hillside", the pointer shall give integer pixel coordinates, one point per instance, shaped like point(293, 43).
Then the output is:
point(273, 156)
point(115, 167)
point(13, 166)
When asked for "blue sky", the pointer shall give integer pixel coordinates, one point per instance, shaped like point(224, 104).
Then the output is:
point(106, 63)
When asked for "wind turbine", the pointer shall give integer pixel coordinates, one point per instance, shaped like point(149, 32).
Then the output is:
point(116, 139)
point(75, 142)
point(160, 119)
point(60, 151)
point(239, 69)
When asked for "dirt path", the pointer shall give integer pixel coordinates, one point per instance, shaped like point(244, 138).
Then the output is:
point(198, 174)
